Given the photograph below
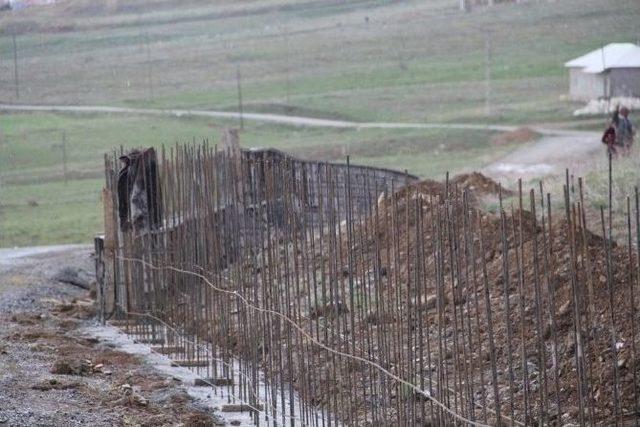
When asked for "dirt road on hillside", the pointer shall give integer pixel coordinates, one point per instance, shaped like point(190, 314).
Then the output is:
point(551, 154)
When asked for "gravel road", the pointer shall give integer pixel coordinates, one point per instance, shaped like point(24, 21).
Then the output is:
point(53, 374)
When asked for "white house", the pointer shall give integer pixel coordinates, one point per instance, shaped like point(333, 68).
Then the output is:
point(611, 71)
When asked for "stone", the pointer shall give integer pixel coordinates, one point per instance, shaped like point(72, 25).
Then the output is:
point(75, 276)
point(564, 309)
point(622, 363)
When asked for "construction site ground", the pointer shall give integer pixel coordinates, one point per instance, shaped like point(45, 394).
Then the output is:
point(52, 373)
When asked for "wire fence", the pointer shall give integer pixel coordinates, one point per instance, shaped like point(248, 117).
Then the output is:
point(325, 294)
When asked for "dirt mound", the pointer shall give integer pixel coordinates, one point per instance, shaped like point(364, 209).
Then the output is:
point(476, 184)
point(430, 243)
point(66, 366)
point(518, 136)
point(424, 189)
point(480, 184)
point(198, 419)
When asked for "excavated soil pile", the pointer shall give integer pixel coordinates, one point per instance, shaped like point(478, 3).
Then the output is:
point(480, 185)
point(476, 185)
point(532, 313)
point(539, 288)
point(434, 274)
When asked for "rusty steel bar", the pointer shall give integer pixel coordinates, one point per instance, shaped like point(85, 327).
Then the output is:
point(327, 294)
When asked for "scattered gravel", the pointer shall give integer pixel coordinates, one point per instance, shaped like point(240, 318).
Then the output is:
point(52, 375)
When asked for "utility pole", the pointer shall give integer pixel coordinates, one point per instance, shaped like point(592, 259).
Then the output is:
point(288, 65)
point(15, 66)
point(487, 72)
point(149, 74)
point(401, 51)
point(239, 85)
point(64, 156)
point(1, 228)
point(1, 212)
point(606, 81)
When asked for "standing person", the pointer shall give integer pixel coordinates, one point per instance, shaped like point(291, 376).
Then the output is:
point(609, 136)
point(625, 131)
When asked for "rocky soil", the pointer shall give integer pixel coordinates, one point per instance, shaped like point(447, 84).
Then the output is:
point(51, 374)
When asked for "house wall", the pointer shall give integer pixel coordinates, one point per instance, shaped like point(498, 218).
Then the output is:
point(625, 82)
point(585, 86)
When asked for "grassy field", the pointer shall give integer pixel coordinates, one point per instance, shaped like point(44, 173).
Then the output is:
point(382, 60)
point(39, 207)
point(358, 60)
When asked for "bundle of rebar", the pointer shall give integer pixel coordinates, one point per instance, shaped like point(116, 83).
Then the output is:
point(323, 294)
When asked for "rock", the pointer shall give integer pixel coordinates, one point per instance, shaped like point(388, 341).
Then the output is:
point(564, 309)
point(75, 276)
point(138, 399)
point(166, 395)
point(571, 414)
point(71, 367)
point(201, 419)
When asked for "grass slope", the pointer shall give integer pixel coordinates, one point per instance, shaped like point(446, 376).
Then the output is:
point(357, 60)
point(38, 207)
point(369, 60)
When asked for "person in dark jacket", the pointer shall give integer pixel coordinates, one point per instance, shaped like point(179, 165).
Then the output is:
point(625, 132)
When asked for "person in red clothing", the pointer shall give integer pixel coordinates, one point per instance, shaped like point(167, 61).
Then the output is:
point(609, 138)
